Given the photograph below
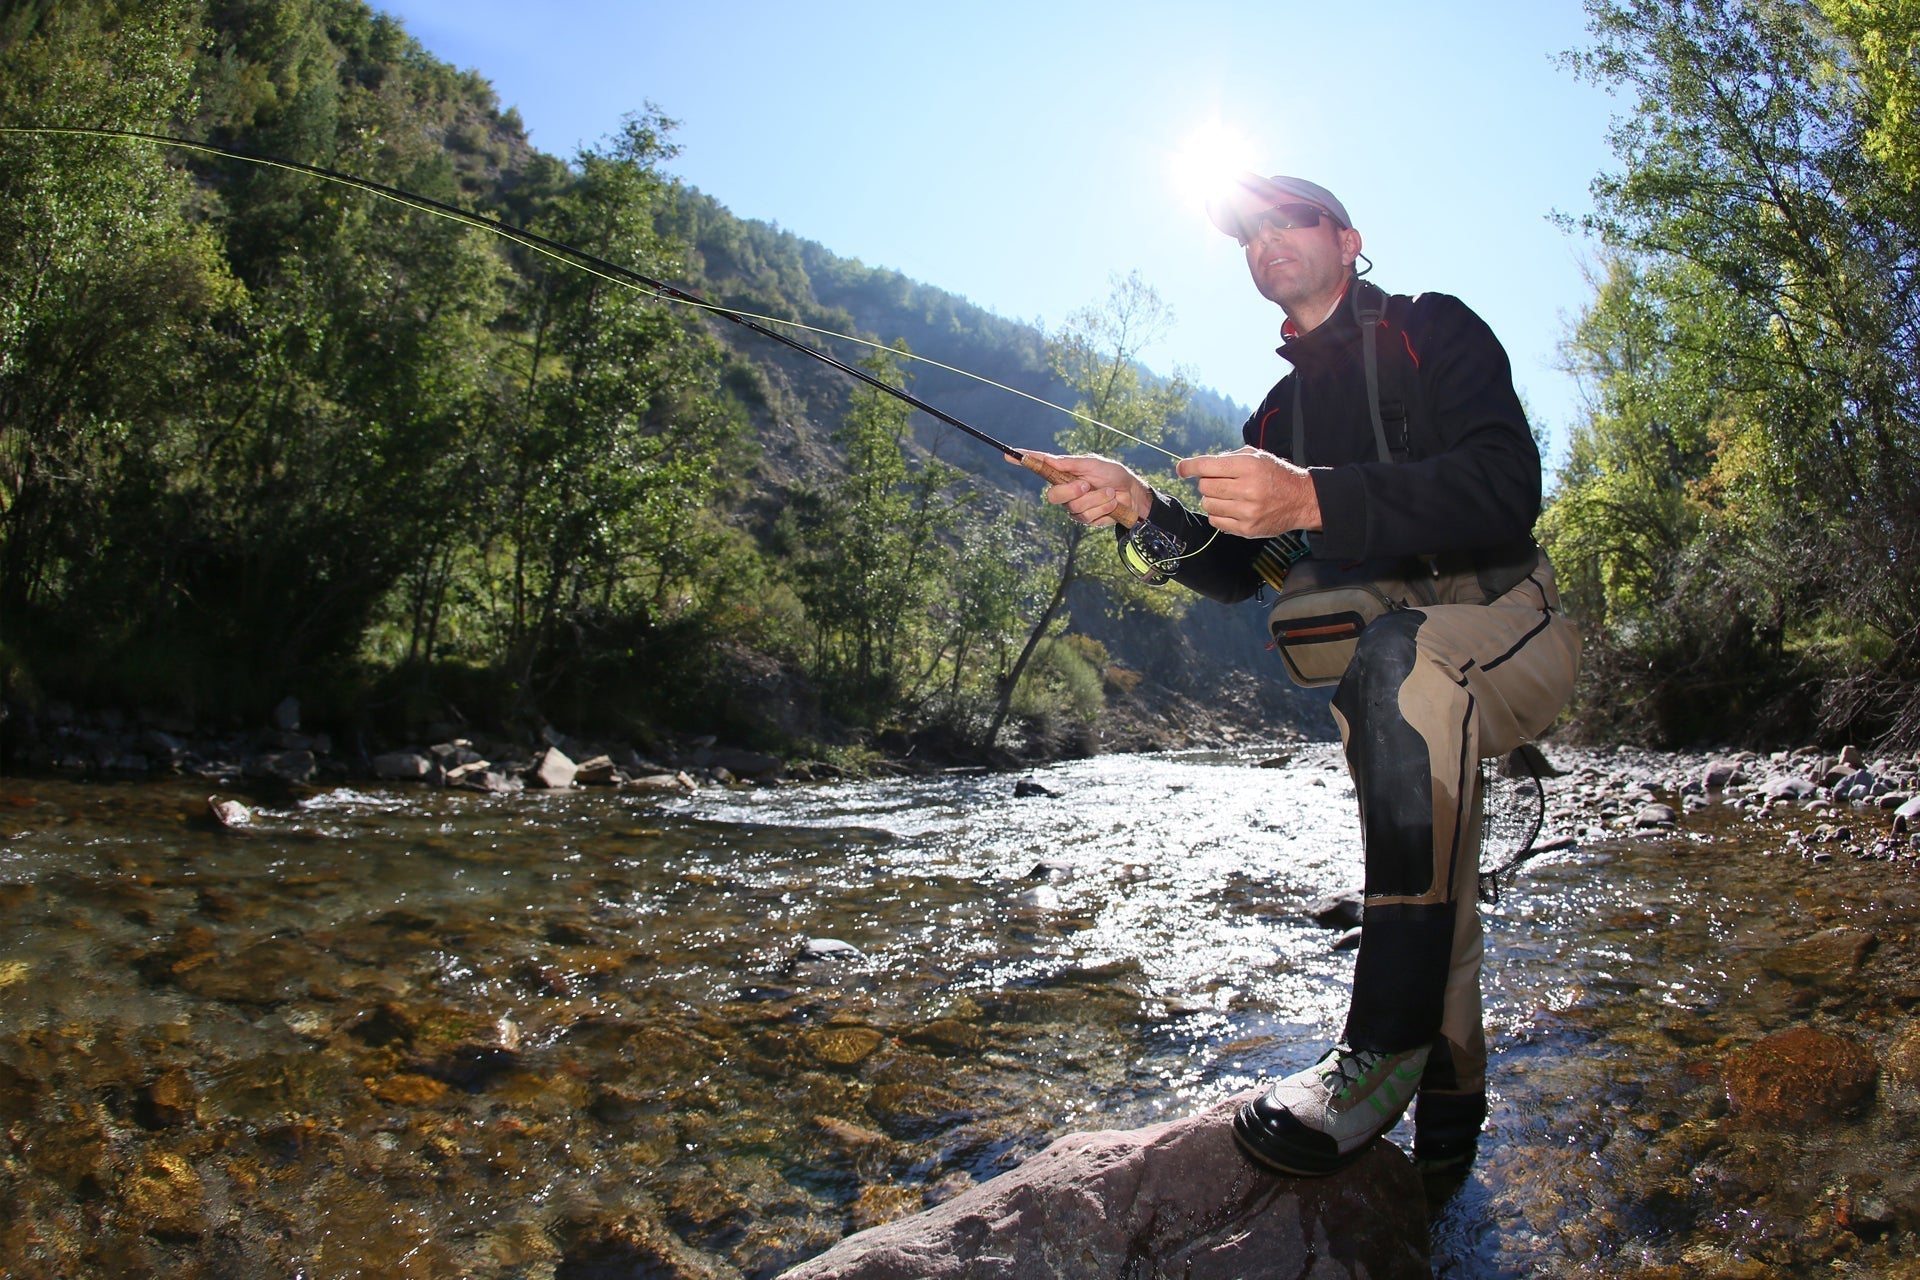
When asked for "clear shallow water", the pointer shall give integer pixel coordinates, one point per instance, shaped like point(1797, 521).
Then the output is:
point(418, 1033)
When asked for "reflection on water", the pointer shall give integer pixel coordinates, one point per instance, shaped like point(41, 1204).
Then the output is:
point(427, 1033)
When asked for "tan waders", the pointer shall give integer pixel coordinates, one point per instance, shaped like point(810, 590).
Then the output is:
point(1430, 692)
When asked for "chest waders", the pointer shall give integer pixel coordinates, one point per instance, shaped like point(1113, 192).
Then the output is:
point(1439, 662)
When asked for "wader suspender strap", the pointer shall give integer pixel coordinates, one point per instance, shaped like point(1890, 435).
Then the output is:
point(1369, 317)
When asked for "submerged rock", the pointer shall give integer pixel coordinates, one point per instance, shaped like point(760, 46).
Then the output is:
point(1027, 787)
point(1800, 1076)
point(1830, 956)
point(1174, 1199)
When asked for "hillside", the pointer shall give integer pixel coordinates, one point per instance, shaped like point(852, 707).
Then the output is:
point(265, 435)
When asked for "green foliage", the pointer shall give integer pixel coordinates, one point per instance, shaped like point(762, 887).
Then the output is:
point(261, 433)
point(1097, 354)
point(1755, 422)
point(874, 555)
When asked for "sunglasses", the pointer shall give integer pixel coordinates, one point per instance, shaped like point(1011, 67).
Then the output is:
point(1282, 217)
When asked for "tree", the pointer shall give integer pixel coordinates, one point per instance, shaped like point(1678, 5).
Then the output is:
point(1097, 355)
point(1767, 212)
point(877, 554)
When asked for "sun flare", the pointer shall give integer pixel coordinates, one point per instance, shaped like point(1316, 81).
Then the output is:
point(1210, 155)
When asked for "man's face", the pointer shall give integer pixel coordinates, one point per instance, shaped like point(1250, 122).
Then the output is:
point(1302, 268)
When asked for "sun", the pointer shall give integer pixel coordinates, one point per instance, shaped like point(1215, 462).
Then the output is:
point(1207, 159)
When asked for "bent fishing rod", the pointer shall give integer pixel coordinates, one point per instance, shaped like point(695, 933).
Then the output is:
point(1123, 514)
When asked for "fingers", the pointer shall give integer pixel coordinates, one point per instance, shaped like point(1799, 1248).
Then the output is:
point(1238, 463)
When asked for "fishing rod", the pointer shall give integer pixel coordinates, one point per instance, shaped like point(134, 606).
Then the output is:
point(1123, 514)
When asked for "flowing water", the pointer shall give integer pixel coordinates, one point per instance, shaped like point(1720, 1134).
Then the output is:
point(412, 1033)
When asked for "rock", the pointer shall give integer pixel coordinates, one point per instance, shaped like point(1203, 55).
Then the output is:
point(1174, 1199)
point(1910, 810)
point(842, 1046)
point(1028, 787)
point(1276, 762)
point(1721, 774)
point(286, 716)
point(1342, 910)
point(230, 814)
point(1348, 941)
point(674, 782)
point(553, 770)
point(851, 1137)
point(1855, 786)
point(494, 782)
point(165, 1196)
point(19, 1094)
point(402, 766)
point(1050, 871)
point(1787, 787)
point(1654, 815)
point(636, 1249)
point(169, 1099)
point(283, 766)
point(1903, 1059)
point(1850, 757)
point(460, 774)
point(596, 772)
point(949, 1035)
point(407, 1089)
point(746, 764)
point(826, 949)
point(1800, 1076)
point(1828, 957)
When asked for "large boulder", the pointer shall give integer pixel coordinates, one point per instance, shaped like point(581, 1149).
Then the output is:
point(1173, 1199)
point(553, 770)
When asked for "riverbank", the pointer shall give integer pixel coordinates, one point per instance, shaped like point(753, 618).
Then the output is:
point(58, 739)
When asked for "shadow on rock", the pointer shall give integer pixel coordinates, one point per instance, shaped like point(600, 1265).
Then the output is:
point(1173, 1199)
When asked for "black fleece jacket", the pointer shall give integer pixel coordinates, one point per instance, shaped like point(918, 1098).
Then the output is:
point(1469, 476)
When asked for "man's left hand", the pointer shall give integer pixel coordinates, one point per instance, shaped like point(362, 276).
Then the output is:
point(1252, 493)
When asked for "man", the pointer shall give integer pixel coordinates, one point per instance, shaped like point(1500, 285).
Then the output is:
point(1397, 440)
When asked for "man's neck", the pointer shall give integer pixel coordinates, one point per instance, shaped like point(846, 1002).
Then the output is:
point(1295, 326)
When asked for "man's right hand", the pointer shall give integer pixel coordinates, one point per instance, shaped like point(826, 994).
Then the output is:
point(1099, 486)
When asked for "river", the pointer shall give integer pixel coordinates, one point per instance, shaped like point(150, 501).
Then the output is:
point(385, 1032)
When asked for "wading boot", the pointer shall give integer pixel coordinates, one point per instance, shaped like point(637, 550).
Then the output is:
point(1319, 1120)
point(1446, 1130)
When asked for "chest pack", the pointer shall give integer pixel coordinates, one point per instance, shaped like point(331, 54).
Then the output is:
point(1322, 606)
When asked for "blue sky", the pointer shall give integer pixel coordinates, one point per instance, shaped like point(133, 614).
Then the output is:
point(1021, 155)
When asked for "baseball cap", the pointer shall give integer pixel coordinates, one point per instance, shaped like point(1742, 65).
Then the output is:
point(1249, 194)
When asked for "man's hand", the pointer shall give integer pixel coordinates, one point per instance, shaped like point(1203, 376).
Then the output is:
point(1099, 486)
point(1252, 493)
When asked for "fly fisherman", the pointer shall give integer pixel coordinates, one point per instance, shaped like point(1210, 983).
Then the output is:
point(1399, 445)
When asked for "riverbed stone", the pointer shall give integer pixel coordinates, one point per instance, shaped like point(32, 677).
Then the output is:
point(637, 1248)
point(1800, 1076)
point(402, 766)
point(553, 770)
point(294, 767)
point(1720, 774)
point(842, 1046)
point(1654, 815)
point(1788, 787)
point(165, 1196)
point(1902, 1062)
point(1827, 958)
point(1342, 910)
point(1173, 1199)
